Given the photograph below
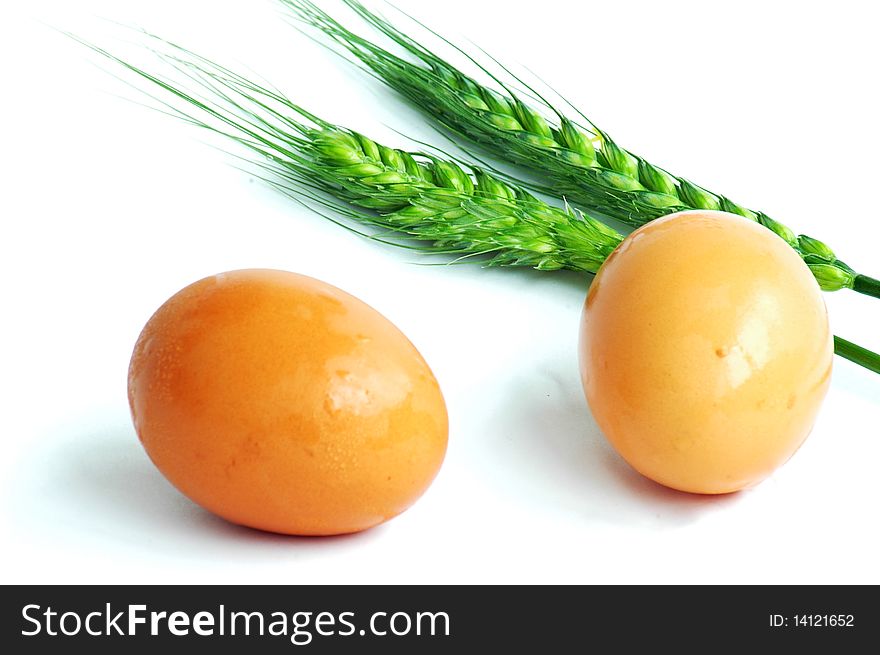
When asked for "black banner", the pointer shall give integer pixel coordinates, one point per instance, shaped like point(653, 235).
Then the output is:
point(287, 619)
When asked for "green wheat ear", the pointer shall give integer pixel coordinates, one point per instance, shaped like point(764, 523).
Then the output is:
point(440, 204)
point(579, 161)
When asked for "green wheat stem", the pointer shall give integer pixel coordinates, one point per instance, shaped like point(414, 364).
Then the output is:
point(867, 285)
point(418, 200)
point(857, 354)
point(579, 160)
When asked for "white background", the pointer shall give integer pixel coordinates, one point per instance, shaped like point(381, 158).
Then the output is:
point(108, 208)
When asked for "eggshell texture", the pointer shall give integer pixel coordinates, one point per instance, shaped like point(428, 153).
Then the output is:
point(282, 403)
point(705, 351)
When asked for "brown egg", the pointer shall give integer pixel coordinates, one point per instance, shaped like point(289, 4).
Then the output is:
point(282, 403)
point(705, 351)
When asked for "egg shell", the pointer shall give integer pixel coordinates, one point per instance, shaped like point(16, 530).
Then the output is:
point(705, 351)
point(282, 403)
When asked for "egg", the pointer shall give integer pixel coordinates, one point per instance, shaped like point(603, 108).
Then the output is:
point(705, 351)
point(282, 403)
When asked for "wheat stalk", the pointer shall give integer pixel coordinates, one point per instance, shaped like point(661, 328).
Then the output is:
point(445, 205)
point(454, 207)
point(581, 161)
